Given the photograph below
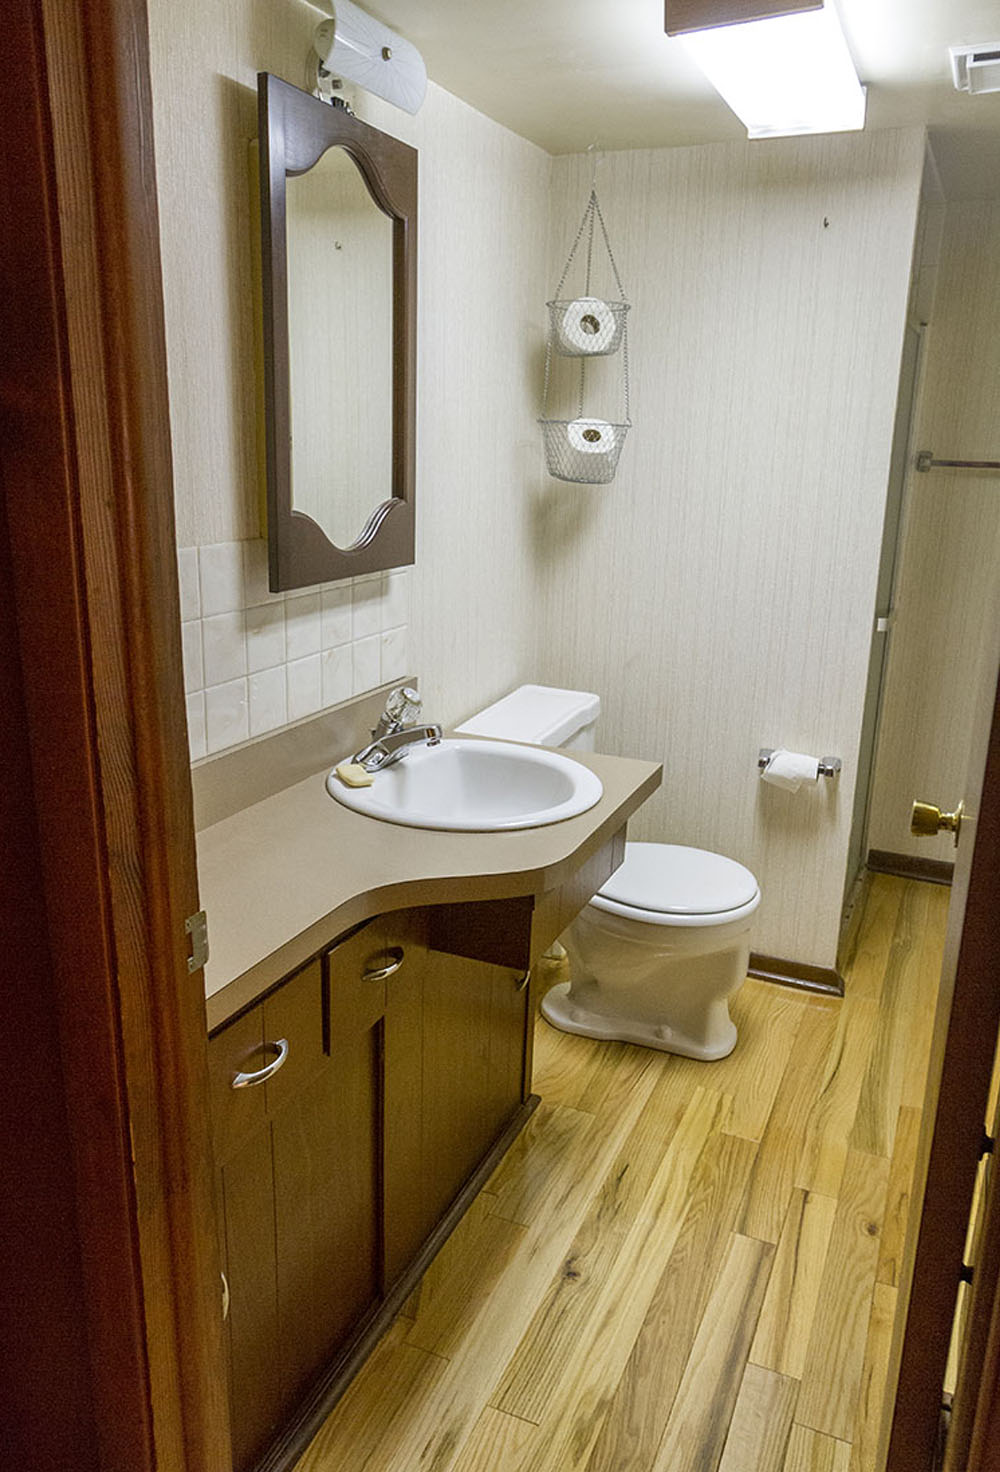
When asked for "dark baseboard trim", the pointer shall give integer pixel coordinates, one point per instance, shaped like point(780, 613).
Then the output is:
point(905, 866)
point(805, 978)
point(286, 1450)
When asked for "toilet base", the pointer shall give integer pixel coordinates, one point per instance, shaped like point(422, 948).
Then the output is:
point(569, 1015)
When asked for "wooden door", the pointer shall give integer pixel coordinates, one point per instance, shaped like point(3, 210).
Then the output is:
point(973, 1440)
point(113, 1336)
point(966, 1028)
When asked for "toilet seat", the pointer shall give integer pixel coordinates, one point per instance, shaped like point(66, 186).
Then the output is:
point(670, 884)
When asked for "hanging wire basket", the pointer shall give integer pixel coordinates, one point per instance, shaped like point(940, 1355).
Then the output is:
point(585, 450)
point(587, 327)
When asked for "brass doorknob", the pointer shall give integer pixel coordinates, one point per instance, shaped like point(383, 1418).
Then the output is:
point(927, 820)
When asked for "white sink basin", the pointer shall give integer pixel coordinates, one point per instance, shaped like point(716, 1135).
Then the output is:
point(475, 787)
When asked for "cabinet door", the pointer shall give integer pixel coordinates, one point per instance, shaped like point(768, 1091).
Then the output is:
point(475, 1016)
point(325, 1122)
point(299, 1176)
point(242, 1141)
point(405, 1217)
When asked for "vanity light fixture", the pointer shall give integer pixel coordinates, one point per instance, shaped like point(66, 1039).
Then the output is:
point(353, 47)
point(783, 66)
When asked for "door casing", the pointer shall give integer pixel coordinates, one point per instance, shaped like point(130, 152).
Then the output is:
point(105, 815)
point(86, 478)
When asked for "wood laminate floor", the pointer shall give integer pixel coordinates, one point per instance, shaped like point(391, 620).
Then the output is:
point(679, 1265)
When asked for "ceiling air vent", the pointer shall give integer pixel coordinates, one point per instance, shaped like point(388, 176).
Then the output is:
point(976, 68)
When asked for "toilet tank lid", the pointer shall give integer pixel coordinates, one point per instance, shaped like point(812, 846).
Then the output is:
point(674, 880)
point(538, 714)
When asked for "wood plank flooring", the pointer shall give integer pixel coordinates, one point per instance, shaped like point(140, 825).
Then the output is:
point(679, 1267)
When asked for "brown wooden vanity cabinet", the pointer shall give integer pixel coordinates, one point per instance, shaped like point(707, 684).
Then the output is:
point(299, 1170)
point(390, 1069)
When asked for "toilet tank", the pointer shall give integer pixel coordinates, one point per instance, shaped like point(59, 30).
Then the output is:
point(540, 715)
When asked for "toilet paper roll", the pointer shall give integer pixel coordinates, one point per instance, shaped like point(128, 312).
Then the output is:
point(789, 769)
point(591, 436)
point(588, 325)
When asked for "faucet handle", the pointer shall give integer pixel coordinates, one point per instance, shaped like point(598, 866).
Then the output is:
point(402, 708)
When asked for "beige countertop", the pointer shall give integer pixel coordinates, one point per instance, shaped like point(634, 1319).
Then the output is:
point(282, 878)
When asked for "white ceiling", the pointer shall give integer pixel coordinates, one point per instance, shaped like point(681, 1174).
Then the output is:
point(568, 73)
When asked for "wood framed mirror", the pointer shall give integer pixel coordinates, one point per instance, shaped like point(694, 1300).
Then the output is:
point(339, 285)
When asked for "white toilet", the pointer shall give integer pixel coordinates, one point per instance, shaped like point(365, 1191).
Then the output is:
point(663, 945)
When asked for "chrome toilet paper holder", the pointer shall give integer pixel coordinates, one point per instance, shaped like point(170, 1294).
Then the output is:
point(829, 766)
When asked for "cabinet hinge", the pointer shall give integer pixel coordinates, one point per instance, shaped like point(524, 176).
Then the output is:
point(986, 1148)
point(196, 926)
point(965, 1273)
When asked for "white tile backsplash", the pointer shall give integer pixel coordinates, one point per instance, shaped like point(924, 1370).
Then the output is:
point(226, 714)
point(194, 665)
point(265, 627)
point(305, 687)
point(396, 600)
point(336, 616)
point(338, 674)
point(367, 600)
point(268, 700)
point(394, 655)
point(225, 650)
point(196, 724)
point(366, 654)
point(187, 576)
point(302, 625)
point(220, 569)
point(255, 660)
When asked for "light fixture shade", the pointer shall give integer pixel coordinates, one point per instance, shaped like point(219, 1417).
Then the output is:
point(785, 75)
point(359, 49)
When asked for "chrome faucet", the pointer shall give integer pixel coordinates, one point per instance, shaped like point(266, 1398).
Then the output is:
point(397, 731)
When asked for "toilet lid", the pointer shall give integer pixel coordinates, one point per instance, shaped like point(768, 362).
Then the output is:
point(672, 880)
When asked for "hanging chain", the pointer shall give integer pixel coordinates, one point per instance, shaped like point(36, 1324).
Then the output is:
point(592, 210)
point(576, 242)
point(628, 416)
point(625, 324)
point(590, 240)
point(607, 245)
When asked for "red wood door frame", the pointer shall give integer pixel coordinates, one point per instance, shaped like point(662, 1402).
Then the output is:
point(99, 865)
point(103, 867)
point(966, 1029)
point(974, 1432)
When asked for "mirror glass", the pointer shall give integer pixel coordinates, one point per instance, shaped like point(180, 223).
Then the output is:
point(340, 297)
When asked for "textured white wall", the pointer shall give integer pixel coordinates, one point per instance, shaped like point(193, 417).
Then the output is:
point(482, 253)
point(482, 264)
point(718, 595)
point(949, 575)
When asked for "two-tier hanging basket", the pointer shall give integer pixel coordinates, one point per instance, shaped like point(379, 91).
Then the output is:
point(585, 450)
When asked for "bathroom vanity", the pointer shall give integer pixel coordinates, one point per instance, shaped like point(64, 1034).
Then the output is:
point(371, 1015)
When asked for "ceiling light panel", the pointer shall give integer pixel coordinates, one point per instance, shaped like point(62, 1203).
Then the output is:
point(783, 76)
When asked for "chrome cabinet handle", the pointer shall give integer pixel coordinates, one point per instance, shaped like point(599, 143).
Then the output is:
point(523, 982)
point(247, 1080)
point(379, 973)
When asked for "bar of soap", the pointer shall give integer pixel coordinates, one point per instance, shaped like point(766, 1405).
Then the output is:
point(353, 774)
